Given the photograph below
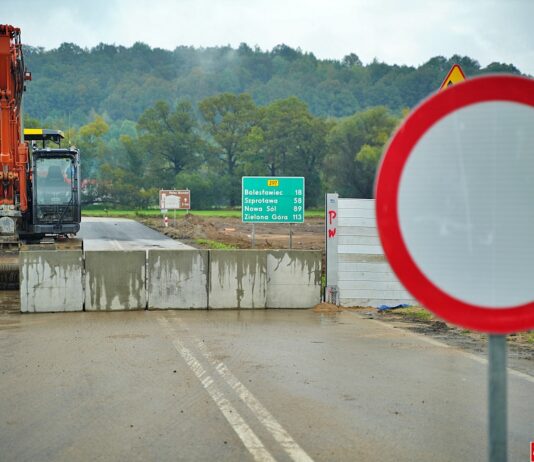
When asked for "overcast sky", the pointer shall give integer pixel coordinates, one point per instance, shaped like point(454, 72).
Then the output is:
point(393, 31)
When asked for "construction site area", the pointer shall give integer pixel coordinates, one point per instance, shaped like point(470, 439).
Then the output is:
point(377, 328)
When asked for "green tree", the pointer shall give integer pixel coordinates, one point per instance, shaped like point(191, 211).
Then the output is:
point(289, 141)
point(89, 139)
point(169, 141)
point(229, 119)
point(206, 186)
point(355, 145)
point(351, 59)
point(31, 122)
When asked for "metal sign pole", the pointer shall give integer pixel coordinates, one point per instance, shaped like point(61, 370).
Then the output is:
point(253, 235)
point(498, 449)
point(290, 236)
point(175, 218)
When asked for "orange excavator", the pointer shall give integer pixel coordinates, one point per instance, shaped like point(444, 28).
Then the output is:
point(39, 193)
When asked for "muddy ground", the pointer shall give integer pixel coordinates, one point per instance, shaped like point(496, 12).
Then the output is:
point(521, 345)
point(232, 232)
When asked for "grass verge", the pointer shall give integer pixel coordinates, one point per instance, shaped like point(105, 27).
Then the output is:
point(414, 312)
point(524, 337)
point(209, 244)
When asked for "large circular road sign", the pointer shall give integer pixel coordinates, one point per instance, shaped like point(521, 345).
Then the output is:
point(455, 204)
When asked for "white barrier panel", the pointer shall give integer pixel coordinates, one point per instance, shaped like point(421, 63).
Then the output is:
point(115, 280)
point(238, 279)
point(51, 280)
point(177, 279)
point(293, 278)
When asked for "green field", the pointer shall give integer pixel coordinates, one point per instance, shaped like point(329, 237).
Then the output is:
point(93, 212)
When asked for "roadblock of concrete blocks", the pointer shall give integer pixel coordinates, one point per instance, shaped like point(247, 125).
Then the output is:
point(51, 280)
point(168, 279)
point(115, 280)
point(177, 279)
point(293, 278)
point(237, 279)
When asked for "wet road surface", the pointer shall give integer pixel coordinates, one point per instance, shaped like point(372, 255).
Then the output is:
point(241, 385)
point(123, 234)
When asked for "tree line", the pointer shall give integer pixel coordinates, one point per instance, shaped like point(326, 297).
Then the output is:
point(70, 83)
point(209, 147)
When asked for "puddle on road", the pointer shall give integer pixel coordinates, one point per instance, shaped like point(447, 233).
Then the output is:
point(329, 319)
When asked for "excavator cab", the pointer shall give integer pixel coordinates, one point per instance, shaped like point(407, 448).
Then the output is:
point(55, 192)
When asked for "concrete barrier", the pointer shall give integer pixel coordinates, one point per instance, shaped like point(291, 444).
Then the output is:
point(115, 280)
point(293, 278)
point(51, 280)
point(237, 279)
point(177, 279)
point(169, 279)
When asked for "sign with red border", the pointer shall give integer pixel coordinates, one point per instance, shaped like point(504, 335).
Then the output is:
point(472, 92)
point(455, 75)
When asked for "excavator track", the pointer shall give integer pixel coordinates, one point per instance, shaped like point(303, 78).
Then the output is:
point(9, 257)
point(9, 270)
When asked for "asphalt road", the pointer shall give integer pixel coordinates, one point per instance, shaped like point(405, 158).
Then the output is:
point(242, 385)
point(122, 234)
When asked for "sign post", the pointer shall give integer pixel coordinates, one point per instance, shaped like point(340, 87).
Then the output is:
point(290, 236)
point(453, 207)
point(497, 399)
point(266, 199)
point(253, 235)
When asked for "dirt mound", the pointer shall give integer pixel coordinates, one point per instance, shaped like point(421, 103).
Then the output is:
point(231, 230)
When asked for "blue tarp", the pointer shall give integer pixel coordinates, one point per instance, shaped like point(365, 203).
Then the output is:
point(387, 307)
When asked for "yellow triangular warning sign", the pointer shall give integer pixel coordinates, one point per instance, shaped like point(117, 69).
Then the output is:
point(455, 75)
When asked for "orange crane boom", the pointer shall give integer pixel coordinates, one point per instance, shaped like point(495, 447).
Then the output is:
point(13, 151)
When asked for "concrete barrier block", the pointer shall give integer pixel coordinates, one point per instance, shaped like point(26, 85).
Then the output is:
point(237, 279)
point(177, 279)
point(293, 278)
point(115, 280)
point(51, 280)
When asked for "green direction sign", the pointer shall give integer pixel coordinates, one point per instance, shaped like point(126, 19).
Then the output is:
point(268, 199)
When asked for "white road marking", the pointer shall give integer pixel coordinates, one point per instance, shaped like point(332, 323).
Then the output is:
point(278, 432)
point(437, 343)
point(238, 424)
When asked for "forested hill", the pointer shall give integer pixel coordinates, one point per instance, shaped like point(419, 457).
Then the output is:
point(121, 82)
point(146, 119)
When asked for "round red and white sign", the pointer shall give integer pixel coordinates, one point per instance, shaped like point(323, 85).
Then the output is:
point(455, 203)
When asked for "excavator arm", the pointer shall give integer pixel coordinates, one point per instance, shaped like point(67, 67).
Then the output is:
point(13, 150)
